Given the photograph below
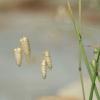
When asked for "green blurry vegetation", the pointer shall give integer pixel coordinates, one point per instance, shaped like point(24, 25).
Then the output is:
point(94, 72)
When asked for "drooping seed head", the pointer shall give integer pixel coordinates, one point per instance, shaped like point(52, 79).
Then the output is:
point(18, 56)
point(44, 69)
point(25, 45)
point(48, 59)
point(46, 53)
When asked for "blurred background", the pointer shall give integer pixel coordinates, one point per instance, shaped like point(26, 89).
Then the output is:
point(47, 25)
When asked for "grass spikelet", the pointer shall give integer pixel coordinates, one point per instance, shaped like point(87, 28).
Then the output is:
point(44, 69)
point(18, 56)
point(25, 45)
point(47, 57)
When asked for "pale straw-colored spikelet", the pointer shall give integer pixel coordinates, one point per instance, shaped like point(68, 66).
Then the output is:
point(18, 56)
point(44, 69)
point(47, 57)
point(25, 45)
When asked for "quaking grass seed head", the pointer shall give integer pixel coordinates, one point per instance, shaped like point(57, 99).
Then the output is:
point(44, 69)
point(25, 45)
point(24, 42)
point(47, 57)
point(18, 56)
point(46, 53)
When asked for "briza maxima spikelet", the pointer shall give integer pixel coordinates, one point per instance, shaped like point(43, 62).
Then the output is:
point(25, 45)
point(44, 69)
point(48, 59)
point(18, 56)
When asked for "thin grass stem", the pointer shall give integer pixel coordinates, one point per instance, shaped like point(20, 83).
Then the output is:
point(80, 56)
point(82, 49)
point(93, 70)
point(95, 76)
point(81, 76)
point(80, 12)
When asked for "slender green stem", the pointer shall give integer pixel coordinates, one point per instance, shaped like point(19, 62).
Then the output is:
point(93, 70)
point(82, 84)
point(88, 67)
point(81, 75)
point(80, 12)
point(80, 56)
point(92, 88)
point(82, 49)
point(94, 79)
